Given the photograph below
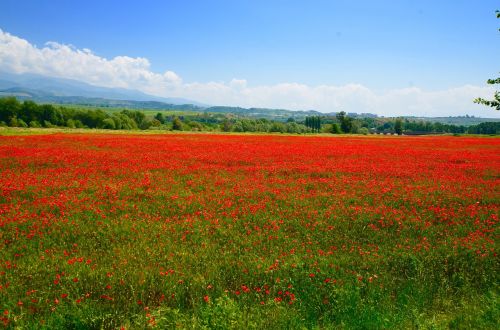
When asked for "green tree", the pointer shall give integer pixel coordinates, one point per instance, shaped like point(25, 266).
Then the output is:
point(30, 111)
point(137, 116)
point(13, 122)
point(155, 122)
point(398, 126)
point(159, 116)
point(48, 113)
point(9, 107)
point(495, 103)
point(336, 129)
point(317, 124)
point(345, 122)
point(176, 124)
point(108, 123)
point(277, 127)
point(314, 123)
point(70, 123)
point(146, 123)
point(363, 130)
point(226, 125)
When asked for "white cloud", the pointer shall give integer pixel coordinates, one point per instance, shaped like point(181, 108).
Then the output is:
point(58, 60)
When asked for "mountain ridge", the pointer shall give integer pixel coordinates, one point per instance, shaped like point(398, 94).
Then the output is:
point(63, 87)
point(42, 89)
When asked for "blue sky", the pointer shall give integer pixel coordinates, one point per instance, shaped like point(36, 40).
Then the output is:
point(238, 52)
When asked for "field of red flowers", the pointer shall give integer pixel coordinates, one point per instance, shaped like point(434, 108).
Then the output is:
point(245, 231)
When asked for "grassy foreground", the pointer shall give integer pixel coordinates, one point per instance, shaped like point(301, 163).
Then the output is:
point(212, 231)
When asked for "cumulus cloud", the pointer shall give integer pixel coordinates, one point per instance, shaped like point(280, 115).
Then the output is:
point(58, 60)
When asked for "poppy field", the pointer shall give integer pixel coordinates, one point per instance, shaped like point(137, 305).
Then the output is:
point(248, 231)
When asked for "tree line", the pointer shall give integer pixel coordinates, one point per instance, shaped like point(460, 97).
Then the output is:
point(14, 113)
point(30, 114)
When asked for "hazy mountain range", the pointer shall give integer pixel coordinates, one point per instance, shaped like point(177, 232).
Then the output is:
point(43, 89)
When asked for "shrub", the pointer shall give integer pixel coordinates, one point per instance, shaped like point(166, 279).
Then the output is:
point(363, 130)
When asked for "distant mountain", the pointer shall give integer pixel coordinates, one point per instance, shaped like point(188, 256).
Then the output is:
point(44, 97)
point(59, 87)
point(42, 89)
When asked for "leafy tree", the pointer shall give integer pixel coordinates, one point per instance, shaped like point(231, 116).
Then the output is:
point(35, 124)
point(314, 123)
point(9, 107)
point(13, 122)
point(30, 111)
point(238, 127)
point(277, 127)
point(70, 123)
point(137, 116)
point(226, 125)
point(126, 121)
point(363, 130)
point(195, 126)
point(485, 128)
point(48, 124)
point(317, 123)
point(336, 129)
point(48, 113)
point(398, 126)
point(147, 123)
point(79, 124)
point(176, 124)
point(159, 116)
point(108, 123)
point(155, 123)
point(292, 127)
point(355, 126)
point(21, 123)
point(495, 103)
point(345, 122)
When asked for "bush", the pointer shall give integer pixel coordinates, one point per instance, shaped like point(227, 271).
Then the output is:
point(13, 122)
point(108, 123)
point(155, 123)
point(146, 124)
point(48, 124)
point(21, 123)
point(363, 130)
point(79, 124)
point(70, 123)
point(34, 124)
point(336, 129)
point(176, 124)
